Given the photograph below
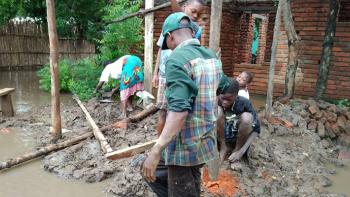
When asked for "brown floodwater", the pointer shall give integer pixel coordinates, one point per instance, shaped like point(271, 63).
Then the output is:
point(340, 180)
point(31, 179)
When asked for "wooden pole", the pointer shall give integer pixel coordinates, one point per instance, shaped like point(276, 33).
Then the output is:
point(142, 12)
point(323, 68)
point(148, 63)
point(97, 132)
point(293, 48)
point(276, 31)
point(48, 149)
point(214, 44)
point(215, 25)
point(55, 95)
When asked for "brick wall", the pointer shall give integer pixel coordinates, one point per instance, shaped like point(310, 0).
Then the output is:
point(160, 16)
point(339, 75)
point(310, 21)
point(262, 39)
point(269, 35)
point(260, 72)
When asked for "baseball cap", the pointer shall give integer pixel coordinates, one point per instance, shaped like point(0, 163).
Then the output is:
point(172, 23)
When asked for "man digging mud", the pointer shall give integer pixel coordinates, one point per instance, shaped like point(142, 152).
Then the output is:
point(238, 124)
point(188, 137)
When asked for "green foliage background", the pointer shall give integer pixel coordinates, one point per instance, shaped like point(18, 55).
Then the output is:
point(81, 77)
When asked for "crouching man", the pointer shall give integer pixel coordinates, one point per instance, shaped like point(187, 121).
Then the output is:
point(238, 124)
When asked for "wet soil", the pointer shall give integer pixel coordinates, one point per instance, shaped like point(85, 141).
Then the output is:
point(281, 162)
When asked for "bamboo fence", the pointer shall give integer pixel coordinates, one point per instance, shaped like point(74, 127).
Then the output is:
point(25, 45)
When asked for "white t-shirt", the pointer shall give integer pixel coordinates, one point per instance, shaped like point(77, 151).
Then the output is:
point(244, 93)
point(113, 70)
point(164, 54)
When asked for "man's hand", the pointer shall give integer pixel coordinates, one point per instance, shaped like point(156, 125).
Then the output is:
point(236, 156)
point(155, 81)
point(149, 166)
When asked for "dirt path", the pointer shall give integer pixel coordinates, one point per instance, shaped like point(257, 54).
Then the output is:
point(282, 162)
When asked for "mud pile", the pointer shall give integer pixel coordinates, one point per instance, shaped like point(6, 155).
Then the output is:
point(85, 161)
point(290, 161)
point(283, 161)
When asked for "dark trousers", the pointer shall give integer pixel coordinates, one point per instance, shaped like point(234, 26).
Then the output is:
point(173, 181)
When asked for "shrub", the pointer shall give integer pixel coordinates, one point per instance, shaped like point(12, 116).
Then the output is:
point(341, 102)
point(121, 38)
point(64, 73)
point(79, 77)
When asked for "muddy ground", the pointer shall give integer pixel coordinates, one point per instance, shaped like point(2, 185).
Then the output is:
point(282, 162)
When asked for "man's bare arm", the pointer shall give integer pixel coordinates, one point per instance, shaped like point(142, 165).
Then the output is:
point(173, 124)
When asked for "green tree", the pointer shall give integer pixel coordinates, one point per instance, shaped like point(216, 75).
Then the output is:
point(75, 18)
point(8, 10)
point(121, 38)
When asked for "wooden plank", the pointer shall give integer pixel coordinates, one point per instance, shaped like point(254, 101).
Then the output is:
point(97, 132)
point(6, 91)
point(130, 151)
point(6, 105)
point(148, 53)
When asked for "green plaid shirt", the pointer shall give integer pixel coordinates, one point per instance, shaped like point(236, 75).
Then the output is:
point(193, 74)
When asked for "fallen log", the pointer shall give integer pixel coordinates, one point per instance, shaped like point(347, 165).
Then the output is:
point(55, 147)
point(130, 151)
point(145, 113)
point(141, 12)
point(48, 149)
point(97, 132)
point(123, 124)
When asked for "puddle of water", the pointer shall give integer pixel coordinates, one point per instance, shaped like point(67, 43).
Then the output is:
point(340, 181)
point(30, 179)
point(27, 92)
point(258, 101)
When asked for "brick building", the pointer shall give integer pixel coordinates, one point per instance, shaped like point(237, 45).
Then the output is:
point(239, 18)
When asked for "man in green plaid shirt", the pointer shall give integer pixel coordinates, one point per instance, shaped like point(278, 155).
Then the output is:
point(193, 74)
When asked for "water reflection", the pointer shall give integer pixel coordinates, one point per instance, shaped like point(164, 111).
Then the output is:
point(27, 93)
point(30, 179)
